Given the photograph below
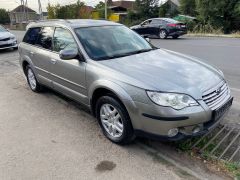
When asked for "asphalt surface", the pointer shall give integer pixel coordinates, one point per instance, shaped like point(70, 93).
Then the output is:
point(46, 136)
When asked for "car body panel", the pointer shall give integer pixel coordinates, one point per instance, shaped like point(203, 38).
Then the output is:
point(176, 72)
point(129, 78)
point(7, 40)
point(153, 28)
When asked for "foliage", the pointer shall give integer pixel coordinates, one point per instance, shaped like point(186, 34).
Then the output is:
point(4, 17)
point(188, 7)
point(100, 8)
point(147, 8)
point(219, 13)
point(72, 11)
point(165, 10)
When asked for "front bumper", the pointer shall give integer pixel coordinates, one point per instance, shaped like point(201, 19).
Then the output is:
point(155, 122)
point(8, 45)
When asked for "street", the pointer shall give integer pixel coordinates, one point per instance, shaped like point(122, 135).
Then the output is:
point(47, 136)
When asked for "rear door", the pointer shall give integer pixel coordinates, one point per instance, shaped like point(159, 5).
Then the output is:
point(68, 75)
point(40, 40)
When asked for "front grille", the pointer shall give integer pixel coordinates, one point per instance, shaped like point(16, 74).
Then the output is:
point(217, 96)
point(6, 39)
point(5, 45)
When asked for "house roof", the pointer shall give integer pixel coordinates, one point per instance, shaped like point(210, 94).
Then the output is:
point(21, 9)
point(125, 4)
point(176, 2)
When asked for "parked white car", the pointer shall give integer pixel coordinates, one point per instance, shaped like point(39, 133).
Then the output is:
point(7, 39)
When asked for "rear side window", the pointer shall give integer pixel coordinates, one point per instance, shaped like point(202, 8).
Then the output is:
point(45, 38)
point(32, 35)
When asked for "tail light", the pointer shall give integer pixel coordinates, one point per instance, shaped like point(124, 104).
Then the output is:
point(172, 25)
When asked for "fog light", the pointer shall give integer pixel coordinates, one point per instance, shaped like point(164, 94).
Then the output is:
point(173, 132)
point(196, 130)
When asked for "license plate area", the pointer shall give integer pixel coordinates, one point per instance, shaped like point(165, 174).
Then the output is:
point(217, 114)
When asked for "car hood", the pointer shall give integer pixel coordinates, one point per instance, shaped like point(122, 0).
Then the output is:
point(168, 71)
point(4, 35)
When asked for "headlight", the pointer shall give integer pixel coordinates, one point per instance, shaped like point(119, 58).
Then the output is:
point(12, 37)
point(174, 100)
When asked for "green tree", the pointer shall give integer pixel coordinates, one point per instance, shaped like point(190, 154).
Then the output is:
point(4, 17)
point(219, 13)
point(72, 11)
point(188, 7)
point(147, 8)
point(51, 11)
point(163, 10)
point(100, 8)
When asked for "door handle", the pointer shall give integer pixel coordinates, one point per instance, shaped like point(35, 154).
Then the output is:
point(53, 61)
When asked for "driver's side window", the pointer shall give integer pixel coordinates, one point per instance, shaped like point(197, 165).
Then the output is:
point(63, 40)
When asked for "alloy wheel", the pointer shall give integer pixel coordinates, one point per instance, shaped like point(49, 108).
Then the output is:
point(31, 79)
point(111, 120)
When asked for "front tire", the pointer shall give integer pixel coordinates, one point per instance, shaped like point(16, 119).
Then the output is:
point(32, 81)
point(163, 34)
point(114, 120)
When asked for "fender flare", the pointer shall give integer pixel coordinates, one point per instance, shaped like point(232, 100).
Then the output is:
point(116, 89)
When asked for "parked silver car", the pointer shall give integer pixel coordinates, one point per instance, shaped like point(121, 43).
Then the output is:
point(133, 88)
point(7, 39)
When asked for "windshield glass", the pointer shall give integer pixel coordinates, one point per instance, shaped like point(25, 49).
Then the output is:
point(2, 29)
point(107, 42)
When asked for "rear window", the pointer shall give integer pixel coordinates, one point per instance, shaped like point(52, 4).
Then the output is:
point(169, 20)
point(32, 35)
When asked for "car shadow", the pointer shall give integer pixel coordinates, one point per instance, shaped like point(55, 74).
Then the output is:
point(5, 51)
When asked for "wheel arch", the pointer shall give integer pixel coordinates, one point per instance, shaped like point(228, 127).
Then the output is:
point(26, 61)
point(104, 87)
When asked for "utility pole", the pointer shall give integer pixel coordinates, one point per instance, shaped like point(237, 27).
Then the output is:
point(106, 10)
point(26, 13)
point(40, 9)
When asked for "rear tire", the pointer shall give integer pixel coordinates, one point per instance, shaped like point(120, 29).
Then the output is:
point(114, 120)
point(163, 34)
point(32, 81)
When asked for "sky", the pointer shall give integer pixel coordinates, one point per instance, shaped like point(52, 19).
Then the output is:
point(11, 4)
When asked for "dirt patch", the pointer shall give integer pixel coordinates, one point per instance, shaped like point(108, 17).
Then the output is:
point(105, 166)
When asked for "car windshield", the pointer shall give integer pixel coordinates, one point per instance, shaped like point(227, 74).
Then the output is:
point(108, 42)
point(2, 29)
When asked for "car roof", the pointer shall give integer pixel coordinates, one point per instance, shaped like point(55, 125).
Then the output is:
point(72, 23)
point(166, 19)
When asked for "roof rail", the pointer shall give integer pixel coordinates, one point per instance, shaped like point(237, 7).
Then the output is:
point(63, 20)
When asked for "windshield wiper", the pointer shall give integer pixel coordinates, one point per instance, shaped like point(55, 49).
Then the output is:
point(125, 54)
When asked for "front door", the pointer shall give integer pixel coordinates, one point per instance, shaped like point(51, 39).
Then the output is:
point(68, 75)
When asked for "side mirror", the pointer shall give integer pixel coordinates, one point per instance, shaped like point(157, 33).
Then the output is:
point(68, 54)
point(148, 40)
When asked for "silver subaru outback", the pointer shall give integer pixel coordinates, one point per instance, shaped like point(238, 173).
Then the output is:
point(132, 88)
